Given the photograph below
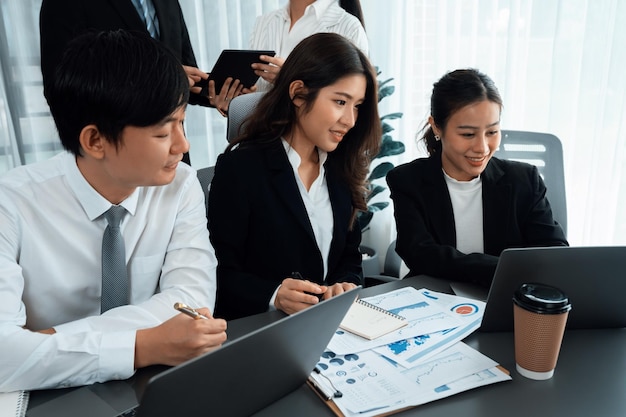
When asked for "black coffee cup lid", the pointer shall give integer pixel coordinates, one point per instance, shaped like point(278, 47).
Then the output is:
point(541, 298)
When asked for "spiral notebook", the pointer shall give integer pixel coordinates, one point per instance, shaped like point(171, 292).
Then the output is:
point(13, 404)
point(369, 321)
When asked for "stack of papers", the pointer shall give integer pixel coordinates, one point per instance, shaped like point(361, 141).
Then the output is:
point(421, 362)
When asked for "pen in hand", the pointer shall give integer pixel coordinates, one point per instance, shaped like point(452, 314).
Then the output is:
point(298, 275)
point(183, 308)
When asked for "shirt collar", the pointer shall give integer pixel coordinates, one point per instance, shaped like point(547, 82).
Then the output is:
point(318, 7)
point(92, 202)
point(294, 158)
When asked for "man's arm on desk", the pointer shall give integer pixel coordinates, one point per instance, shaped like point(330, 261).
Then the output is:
point(103, 347)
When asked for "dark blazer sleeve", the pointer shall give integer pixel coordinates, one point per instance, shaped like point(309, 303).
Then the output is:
point(515, 214)
point(175, 35)
point(261, 232)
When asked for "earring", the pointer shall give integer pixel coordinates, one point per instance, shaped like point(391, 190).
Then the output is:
point(437, 138)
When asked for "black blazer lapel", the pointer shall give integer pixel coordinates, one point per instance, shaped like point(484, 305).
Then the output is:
point(169, 27)
point(286, 187)
point(497, 203)
point(438, 202)
point(128, 14)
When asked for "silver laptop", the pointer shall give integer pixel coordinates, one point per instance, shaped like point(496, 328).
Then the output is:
point(594, 279)
point(240, 378)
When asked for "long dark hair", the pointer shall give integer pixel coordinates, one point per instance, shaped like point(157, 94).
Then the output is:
point(452, 92)
point(354, 8)
point(319, 61)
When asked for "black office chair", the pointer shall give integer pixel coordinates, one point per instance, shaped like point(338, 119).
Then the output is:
point(545, 151)
point(238, 110)
point(391, 268)
point(205, 175)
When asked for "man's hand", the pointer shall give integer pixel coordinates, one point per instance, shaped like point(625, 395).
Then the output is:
point(297, 294)
point(268, 71)
point(194, 75)
point(178, 339)
point(47, 331)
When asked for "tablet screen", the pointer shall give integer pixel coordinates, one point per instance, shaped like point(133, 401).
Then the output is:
point(234, 63)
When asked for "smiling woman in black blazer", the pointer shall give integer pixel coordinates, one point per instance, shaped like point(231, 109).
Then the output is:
point(284, 198)
point(458, 209)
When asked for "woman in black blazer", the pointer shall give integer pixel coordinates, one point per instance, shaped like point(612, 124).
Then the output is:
point(458, 209)
point(284, 198)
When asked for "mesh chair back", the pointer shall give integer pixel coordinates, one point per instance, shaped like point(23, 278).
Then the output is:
point(205, 175)
point(393, 262)
point(238, 110)
point(545, 152)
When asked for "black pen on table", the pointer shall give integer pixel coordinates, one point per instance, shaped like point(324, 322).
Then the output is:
point(183, 308)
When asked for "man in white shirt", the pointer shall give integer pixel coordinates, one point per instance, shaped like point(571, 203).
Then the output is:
point(119, 103)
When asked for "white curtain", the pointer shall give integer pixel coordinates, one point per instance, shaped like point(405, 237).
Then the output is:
point(558, 65)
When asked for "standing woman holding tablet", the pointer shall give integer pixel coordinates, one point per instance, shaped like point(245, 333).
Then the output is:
point(282, 29)
point(283, 202)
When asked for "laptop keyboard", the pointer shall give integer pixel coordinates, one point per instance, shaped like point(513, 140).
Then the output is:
point(129, 413)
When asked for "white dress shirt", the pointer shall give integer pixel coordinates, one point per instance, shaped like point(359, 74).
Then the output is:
point(467, 206)
point(51, 227)
point(318, 207)
point(273, 31)
point(316, 201)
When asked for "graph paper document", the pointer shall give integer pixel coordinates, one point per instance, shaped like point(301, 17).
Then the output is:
point(419, 363)
point(372, 385)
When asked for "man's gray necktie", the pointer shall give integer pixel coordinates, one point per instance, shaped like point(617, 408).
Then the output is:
point(114, 276)
point(149, 19)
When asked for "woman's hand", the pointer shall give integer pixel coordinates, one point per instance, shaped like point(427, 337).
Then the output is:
point(338, 288)
point(297, 294)
point(230, 89)
point(269, 71)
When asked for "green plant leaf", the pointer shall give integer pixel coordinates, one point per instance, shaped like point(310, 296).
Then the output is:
point(381, 170)
point(374, 190)
point(385, 92)
point(390, 148)
point(392, 116)
point(378, 206)
point(386, 128)
point(382, 83)
point(364, 218)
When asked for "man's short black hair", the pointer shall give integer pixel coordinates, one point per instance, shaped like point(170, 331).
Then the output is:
point(114, 79)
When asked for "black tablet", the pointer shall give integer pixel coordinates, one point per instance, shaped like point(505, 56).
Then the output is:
point(234, 63)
